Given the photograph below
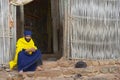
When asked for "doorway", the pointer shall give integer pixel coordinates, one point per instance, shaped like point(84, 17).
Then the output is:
point(39, 18)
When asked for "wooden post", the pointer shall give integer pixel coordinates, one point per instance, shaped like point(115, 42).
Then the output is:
point(65, 30)
point(55, 13)
point(22, 18)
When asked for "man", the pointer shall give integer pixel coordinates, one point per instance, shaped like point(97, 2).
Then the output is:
point(27, 57)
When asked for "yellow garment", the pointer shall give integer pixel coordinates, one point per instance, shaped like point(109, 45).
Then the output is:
point(21, 44)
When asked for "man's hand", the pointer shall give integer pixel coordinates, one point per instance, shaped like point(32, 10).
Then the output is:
point(30, 50)
point(27, 50)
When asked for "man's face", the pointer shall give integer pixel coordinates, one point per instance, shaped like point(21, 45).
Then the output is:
point(27, 38)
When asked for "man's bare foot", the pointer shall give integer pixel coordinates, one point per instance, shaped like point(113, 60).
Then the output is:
point(39, 68)
point(22, 73)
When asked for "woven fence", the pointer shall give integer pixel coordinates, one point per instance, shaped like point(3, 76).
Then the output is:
point(93, 28)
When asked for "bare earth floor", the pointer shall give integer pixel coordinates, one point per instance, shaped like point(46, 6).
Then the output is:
point(65, 70)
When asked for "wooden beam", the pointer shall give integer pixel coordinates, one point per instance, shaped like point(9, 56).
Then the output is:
point(32, 16)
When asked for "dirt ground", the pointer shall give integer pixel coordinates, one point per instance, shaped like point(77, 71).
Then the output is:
point(65, 70)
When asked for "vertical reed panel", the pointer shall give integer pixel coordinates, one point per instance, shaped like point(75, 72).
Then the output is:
point(4, 32)
point(94, 29)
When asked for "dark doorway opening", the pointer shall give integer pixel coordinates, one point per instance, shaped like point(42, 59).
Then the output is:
point(37, 17)
point(42, 17)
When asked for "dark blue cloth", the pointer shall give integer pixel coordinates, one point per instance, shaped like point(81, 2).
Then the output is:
point(27, 32)
point(27, 62)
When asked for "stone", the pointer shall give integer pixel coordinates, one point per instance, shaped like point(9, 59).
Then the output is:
point(104, 62)
point(1, 69)
point(48, 73)
point(63, 64)
point(69, 71)
point(117, 62)
point(79, 70)
point(104, 70)
point(8, 70)
point(50, 64)
point(89, 63)
point(41, 78)
point(112, 62)
point(114, 69)
point(62, 78)
point(27, 78)
point(95, 63)
point(91, 69)
point(30, 74)
point(98, 78)
point(80, 64)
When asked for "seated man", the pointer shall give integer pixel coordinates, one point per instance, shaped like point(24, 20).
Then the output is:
point(27, 57)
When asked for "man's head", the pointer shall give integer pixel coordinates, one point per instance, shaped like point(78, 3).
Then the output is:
point(27, 35)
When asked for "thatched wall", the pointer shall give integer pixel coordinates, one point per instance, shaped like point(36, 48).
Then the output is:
point(92, 29)
point(4, 32)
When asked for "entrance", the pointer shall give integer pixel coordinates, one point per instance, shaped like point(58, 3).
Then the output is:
point(38, 17)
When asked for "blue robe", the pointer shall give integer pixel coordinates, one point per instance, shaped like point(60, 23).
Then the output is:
point(27, 62)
